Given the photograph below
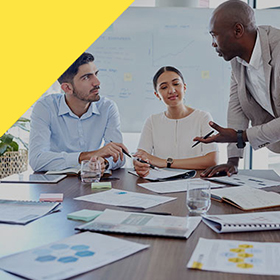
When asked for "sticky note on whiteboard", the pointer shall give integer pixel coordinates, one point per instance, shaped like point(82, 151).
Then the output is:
point(205, 74)
point(127, 77)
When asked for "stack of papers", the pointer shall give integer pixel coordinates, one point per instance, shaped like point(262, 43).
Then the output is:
point(143, 224)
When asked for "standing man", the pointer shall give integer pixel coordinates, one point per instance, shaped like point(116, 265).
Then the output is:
point(68, 128)
point(254, 52)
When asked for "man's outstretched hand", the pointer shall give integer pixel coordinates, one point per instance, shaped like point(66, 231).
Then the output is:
point(224, 135)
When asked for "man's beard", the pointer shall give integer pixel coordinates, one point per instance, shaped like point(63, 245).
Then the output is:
point(77, 94)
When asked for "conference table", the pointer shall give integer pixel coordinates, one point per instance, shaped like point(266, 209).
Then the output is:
point(165, 259)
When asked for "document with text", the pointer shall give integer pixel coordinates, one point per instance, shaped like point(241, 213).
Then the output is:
point(143, 224)
point(126, 199)
point(259, 258)
point(173, 186)
point(69, 257)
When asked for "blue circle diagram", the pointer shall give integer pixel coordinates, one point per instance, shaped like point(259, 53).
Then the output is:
point(59, 246)
point(67, 259)
point(46, 258)
point(84, 253)
point(79, 247)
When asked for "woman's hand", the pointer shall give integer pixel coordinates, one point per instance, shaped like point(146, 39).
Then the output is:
point(142, 169)
point(156, 161)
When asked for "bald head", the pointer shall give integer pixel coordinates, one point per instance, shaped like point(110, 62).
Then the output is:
point(235, 11)
point(233, 29)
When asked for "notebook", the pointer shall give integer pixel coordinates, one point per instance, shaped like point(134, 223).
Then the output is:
point(142, 224)
point(243, 222)
point(33, 178)
point(246, 198)
point(67, 171)
point(167, 174)
point(75, 171)
point(22, 212)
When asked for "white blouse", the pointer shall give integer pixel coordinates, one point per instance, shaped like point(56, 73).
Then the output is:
point(164, 137)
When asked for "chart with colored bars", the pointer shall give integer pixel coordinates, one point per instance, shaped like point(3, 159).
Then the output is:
point(236, 257)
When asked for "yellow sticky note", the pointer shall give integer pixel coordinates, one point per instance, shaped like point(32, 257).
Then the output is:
point(127, 77)
point(101, 185)
point(197, 265)
point(205, 74)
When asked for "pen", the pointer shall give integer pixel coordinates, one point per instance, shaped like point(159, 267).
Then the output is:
point(206, 136)
point(153, 213)
point(126, 153)
point(143, 161)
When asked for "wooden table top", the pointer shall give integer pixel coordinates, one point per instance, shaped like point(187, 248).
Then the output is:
point(165, 259)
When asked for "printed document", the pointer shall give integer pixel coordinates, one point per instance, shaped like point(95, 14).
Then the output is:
point(243, 180)
point(69, 257)
point(164, 174)
point(259, 258)
point(173, 186)
point(23, 212)
point(141, 223)
point(126, 199)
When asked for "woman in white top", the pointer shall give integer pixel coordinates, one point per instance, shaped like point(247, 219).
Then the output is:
point(166, 138)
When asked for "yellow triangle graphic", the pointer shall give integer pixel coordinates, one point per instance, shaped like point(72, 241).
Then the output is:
point(39, 40)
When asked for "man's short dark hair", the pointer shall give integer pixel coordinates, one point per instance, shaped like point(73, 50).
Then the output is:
point(69, 74)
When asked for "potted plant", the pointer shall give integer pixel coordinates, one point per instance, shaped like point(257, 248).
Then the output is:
point(12, 158)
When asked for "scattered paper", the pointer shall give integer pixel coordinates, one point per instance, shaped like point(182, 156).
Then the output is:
point(173, 186)
point(260, 258)
point(141, 223)
point(125, 198)
point(160, 174)
point(69, 257)
point(243, 180)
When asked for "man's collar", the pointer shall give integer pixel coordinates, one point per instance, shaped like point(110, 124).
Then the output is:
point(64, 109)
point(255, 60)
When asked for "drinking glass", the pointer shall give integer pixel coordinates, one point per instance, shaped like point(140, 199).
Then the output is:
point(90, 171)
point(198, 198)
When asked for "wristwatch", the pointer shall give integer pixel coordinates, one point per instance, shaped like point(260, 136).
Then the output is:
point(106, 164)
point(240, 143)
point(169, 161)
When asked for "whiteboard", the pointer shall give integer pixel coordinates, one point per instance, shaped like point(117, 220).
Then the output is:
point(142, 40)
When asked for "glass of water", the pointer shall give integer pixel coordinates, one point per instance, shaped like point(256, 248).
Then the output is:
point(198, 198)
point(90, 171)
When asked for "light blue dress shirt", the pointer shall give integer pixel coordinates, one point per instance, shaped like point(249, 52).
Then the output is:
point(58, 136)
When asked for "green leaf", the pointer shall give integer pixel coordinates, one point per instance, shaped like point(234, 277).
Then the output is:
point(14, 146)
point(3, 148)
point(7, 138)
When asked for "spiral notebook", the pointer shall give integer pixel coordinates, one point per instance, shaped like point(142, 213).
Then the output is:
point(22, 212)
point(243, 222)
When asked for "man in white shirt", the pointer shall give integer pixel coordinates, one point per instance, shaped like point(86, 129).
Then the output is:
point(254, 53)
